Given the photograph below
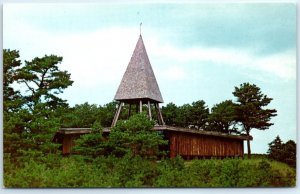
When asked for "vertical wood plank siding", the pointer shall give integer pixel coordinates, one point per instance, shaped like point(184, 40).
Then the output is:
point(196, 145)
point(68, 143)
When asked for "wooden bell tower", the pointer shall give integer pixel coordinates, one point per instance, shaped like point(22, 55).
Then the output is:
point(139, 85)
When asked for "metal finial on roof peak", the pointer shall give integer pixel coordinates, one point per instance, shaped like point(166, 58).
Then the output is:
point(141, 28)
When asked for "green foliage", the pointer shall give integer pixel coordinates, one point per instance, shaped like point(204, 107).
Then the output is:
point(76, 172)
point(40, 130)
point(170, 112)
point(12, 100)
point(13, 126)
point(200, 173)
point(250, 110)
point(184, 115)
point(222, 117)
point(284, 152)
point(108, 113)
point(229, 176)
point(199, 114)
point(30, 117)
point(136, 123)
point(276, 149)
point(84, 115)
point(170, 172)
point(250, 107)
point(195, 114)
point(290, 153)
point(44, 81)
point(134, 136)
point(134, 171)
point(91, 145)
point(14, 118)
point(227, 117)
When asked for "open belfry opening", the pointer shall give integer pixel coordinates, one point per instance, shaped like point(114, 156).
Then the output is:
point(139, 86)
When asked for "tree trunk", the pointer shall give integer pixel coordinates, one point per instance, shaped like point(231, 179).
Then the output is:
point(248, 145)
point(249, 149)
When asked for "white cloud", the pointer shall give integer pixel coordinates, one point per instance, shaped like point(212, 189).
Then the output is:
point(101, 57)
point(174, 73)
point(282, 65)
point(94, 58)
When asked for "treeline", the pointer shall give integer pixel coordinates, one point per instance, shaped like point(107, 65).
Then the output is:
point(221, 118)
point(283, 152)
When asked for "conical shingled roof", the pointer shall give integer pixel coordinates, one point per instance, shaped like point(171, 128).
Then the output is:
point(139, 81)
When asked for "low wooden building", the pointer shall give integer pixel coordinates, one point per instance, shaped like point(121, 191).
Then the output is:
point(67, 136)
point(188, 143)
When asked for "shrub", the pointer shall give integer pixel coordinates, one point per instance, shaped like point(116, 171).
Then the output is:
point(135, 136)
point(170, 173)
point(284, 152)
point(136, 171)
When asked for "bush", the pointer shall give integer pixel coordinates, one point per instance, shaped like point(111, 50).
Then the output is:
point(170, 173)
point(135, 136)
point(135, 171)
point(283, 152)
point(91, 145)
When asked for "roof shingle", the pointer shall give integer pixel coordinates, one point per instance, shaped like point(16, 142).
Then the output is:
point(139, 81)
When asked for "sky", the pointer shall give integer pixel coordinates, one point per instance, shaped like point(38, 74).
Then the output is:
point(197, 51)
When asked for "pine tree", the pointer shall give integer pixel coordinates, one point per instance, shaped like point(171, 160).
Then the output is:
point(222, 116)
point(276, 149)
point(250, 110)
point(30, 119)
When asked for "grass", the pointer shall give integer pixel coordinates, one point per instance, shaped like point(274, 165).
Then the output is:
point(74, 171)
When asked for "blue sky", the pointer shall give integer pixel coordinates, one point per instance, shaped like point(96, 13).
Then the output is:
point(197, 51)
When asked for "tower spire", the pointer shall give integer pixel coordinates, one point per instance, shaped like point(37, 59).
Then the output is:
point(141, 28)
point(139, 85)
point(139, 81)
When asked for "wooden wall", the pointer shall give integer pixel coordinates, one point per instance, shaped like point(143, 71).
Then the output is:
point(189, 145)
point(67, 140)
point(186, 144)
point(68, 143)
